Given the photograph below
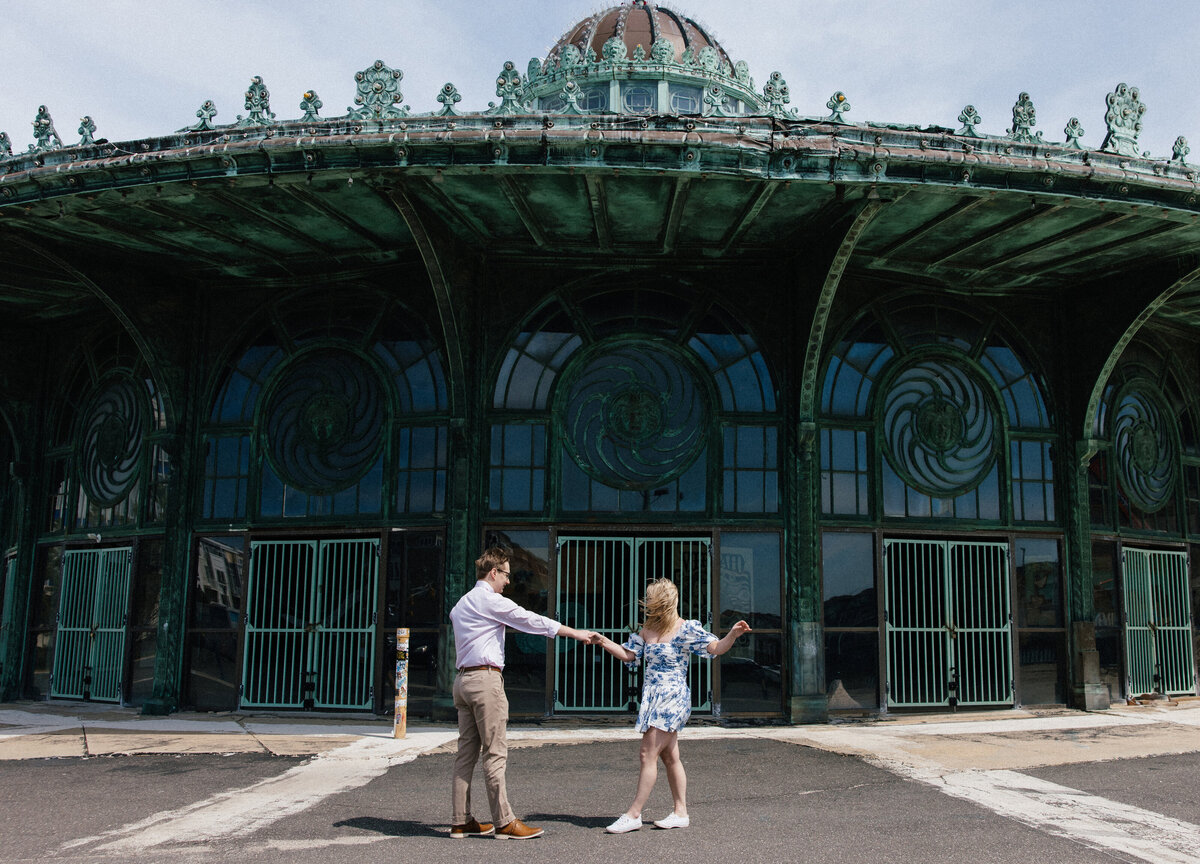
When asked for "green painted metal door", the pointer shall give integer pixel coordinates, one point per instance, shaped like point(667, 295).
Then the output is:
point(311, 609)
point(600, 581)
point(1158, 623)
point(948, 615)
point(93, 609)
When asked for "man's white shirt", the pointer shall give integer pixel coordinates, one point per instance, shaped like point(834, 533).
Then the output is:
point(479, 619)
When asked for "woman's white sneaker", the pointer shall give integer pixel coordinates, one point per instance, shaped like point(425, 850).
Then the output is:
point(672, 821)
point(625, 824)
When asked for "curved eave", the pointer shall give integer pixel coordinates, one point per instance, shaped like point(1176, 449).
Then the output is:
point(973, 214)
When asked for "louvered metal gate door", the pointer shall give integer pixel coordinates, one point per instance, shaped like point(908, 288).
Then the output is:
point(310, 621)
point(948, 623)
point(89, 647)
point(1158, 623)
point(600, 581)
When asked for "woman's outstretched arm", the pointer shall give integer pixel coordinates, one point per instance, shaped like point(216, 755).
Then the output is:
point(619, 651)
point(724, 644)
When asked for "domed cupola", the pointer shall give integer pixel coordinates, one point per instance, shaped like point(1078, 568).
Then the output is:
point(640, 58)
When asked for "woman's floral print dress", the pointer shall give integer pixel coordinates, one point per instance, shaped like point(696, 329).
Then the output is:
point(666, 697)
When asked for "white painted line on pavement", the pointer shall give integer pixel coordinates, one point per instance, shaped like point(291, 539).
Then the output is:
point(1088, 819)
point(242, 811)
point(1058, 810)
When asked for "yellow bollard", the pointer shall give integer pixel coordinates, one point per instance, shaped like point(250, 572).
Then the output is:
point(399, 728)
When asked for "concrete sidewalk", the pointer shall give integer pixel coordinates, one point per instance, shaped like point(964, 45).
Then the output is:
point(39, 730)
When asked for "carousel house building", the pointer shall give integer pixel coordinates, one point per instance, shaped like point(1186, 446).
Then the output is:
point(919, 402)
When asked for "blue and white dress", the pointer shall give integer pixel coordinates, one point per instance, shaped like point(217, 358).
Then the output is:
point(666, 697)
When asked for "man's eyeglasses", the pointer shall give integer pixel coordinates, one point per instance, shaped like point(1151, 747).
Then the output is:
point(505, 572)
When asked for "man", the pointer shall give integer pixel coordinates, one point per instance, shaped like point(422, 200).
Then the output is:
point(479, 619)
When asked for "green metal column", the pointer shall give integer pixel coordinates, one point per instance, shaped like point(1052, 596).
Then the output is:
point(176, 564)
point(14, 604)
point(15, 610)
point(1087, 692)
point(806, 697)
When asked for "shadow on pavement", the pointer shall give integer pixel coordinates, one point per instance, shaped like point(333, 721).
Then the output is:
point(571, 819)
point(391, 827)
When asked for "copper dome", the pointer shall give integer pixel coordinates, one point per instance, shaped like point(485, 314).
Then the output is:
point(639, 22)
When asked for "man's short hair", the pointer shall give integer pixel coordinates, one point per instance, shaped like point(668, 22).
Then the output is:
point(493, 556)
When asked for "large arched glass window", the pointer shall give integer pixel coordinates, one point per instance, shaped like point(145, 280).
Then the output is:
point(929, 412)
point(335, 409)
point(107, 462)
point(633, 400)
point(1150, 462)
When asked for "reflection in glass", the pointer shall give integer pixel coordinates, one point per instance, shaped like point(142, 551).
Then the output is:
point(1040, 681)
point(143, 647)
point(211, 672)
point(530, 586)
point(1108, 620)
point(848, 573)
point(750, 579)
point(852, 670)
point(1039, 583)
point(751, 674)
point(220, 576)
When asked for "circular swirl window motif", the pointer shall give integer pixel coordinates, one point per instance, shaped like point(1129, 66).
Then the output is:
point(110, 441)
point(324, 420)
point(635, 416)
point(1145, 450)
point(939, 427)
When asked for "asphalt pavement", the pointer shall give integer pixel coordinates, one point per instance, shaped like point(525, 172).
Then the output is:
point(86, 783)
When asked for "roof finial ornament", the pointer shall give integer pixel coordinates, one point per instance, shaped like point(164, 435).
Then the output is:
point(571, 91)
point(258, 103)
point(970, 118)
point(205, 112)
point(777, 95)
point(378, 93)
point(839, 105)
point(1180, 150)
point(714, 101)
point(1124, 119)
point(310, 104)
point(86, 128)
point(508, 88)
point(1024, 119)
point(1074, 132)
point(5, 144)
point(449, 97)
point(43, 131)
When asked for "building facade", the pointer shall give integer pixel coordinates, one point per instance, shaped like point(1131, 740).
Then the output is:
point(919, 403)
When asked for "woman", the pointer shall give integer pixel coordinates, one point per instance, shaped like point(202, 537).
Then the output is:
point(665, 642)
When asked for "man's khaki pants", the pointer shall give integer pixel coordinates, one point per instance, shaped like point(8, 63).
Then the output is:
point(482, 725)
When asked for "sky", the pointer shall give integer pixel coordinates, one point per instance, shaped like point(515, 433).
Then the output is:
point(141, 69)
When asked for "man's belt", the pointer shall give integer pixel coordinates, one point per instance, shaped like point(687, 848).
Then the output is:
point(478, 668)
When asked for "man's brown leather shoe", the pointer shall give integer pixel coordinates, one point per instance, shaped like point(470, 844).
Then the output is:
point(518, 830)
point(472, 829)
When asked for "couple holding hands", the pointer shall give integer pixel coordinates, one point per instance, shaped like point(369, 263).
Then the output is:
point(664, 643)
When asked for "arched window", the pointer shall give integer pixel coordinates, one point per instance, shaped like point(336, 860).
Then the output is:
point(335, 408)
point(929, 412)
point(1150, 462)
point(633, 400)
point(106, 459)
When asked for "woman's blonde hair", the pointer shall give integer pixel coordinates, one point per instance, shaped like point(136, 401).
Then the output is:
point(661, 606)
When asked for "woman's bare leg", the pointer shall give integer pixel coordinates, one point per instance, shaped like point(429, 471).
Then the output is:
point(653, 741)
point(675, 774)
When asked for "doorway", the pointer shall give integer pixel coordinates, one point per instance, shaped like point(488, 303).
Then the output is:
point(599, 583)
point(311, 608)
point(1158, 623)
point(93, 611)
point(948, 619)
